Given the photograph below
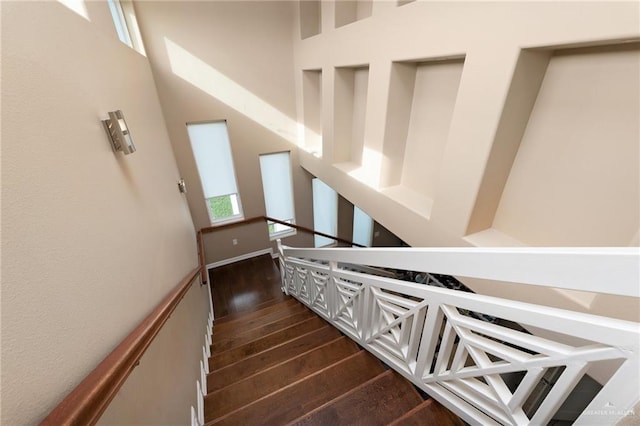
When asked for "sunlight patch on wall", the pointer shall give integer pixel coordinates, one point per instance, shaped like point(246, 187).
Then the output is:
point(211, 81)
point(78, 6)
point(369, 171)
point(304, 132)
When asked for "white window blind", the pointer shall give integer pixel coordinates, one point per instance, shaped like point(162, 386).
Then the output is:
point(325, 212)
point(210, 142)
point(362, 227)
point(277, 185)
point(212, 152)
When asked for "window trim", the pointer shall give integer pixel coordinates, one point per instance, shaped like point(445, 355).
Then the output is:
point(229, 219)
point(289, 232)
point(126, 23)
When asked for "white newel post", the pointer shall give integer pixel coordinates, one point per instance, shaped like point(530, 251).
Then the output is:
point(283, 269)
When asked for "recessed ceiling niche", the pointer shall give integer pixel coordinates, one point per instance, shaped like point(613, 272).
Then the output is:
point(348, 11)
point(574, 180)
point(422, 97)
point(310, 18)
point(350, 108)
point(312, 107)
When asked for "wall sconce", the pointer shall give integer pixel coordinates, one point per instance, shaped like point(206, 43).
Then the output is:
point(118, 133)
point(182, 186)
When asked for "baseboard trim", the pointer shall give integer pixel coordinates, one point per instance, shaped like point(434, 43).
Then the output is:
point(239, 258)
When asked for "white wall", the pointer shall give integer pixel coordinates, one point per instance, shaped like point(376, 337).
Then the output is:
point(515, 124)
point(91, 240)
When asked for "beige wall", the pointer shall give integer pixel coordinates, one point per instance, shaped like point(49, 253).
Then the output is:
point(233, 61)
point(91, 240)
point(162, 388)
point(382, 237)
point(575, 178)
point(564, 151)
point(345, 218)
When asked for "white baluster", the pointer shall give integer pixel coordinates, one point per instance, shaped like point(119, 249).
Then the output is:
point(194, 418)
point(200, 402)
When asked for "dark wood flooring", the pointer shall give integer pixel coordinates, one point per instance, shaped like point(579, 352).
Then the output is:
point(275, 362)
point(241, 286)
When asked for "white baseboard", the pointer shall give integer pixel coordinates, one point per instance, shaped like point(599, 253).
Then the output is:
point(239, 258)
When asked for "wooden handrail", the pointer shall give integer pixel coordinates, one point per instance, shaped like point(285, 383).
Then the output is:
point(254, 219)
point(201, 259)
point(209, 229)
point(86, 403)
point(311, 231)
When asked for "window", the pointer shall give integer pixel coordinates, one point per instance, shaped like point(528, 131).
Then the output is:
point(212, 151)
point(325, 212)
point(362, 227)
point(278, 192)
point(124, 18)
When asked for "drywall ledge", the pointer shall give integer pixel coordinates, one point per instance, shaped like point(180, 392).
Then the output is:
point(413, 200)
point(525, 85)
point(493, 238)
point(422, 97)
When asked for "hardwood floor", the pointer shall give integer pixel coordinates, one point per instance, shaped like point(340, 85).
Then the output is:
point(241, 286)
point(280, 364)
point(275, 362)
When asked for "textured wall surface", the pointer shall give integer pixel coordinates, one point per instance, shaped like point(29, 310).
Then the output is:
point(162, 388)
point(91, 240)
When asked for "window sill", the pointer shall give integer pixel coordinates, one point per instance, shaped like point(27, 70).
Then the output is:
point(227, 221)
point(282, 234)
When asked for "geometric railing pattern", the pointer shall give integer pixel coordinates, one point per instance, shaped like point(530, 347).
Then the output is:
point(483, 371)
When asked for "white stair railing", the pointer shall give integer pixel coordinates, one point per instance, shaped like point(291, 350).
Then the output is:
point(428, 335)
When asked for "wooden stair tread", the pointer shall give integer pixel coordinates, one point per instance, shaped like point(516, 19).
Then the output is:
point(293, 401)
point(249, 366)
point(258, 307)
point(224, 343)
point(243, 392)
point(429, 412)
point(222, 359)
point(240, 326)
point(376, 402)
point(254, 316)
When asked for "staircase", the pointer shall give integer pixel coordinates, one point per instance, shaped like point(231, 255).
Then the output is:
point(282, 364)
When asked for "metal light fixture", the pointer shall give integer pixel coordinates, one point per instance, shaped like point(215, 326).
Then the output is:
point(118, 133)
